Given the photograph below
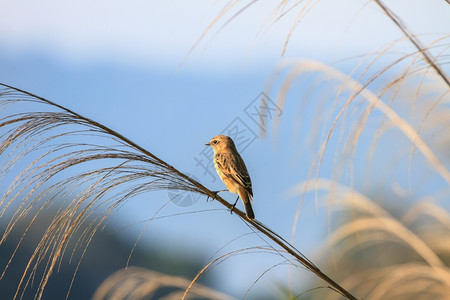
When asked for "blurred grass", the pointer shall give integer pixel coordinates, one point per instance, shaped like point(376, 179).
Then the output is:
point(384, 129)
point(108, 253)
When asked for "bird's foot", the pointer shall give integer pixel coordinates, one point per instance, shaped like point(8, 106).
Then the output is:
point(234, 205)
point(215, 194)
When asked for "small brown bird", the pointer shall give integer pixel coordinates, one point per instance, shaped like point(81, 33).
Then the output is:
point(232, 171)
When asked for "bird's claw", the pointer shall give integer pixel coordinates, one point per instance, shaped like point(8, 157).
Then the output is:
point(234, 205)
point(215, 194)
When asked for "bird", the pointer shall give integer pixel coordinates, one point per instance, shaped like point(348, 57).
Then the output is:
point(232, 171)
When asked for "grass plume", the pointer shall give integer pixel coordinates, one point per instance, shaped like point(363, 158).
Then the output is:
point(90, 168)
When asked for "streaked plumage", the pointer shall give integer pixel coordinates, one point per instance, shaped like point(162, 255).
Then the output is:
point(232, 170)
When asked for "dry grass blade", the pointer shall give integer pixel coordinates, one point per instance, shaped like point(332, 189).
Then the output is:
point(138, 283)
point(358, 89)
point(55, 157)
point(221, 14)
point(403, 281)
point(222, 258)
point(415, 41)
point(50, 143)
point(342, 101)
point(392, 227)
point(279, 11)
point(380, 219)
point(305, 9)
point(416, 264)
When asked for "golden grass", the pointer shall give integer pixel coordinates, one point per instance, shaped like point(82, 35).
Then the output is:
point(88, 170)
point(137, 283)
point(417, 273)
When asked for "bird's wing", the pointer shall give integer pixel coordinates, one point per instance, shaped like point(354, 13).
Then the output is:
point(233, 167)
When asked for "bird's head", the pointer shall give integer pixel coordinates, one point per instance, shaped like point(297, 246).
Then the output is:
point(220, 142)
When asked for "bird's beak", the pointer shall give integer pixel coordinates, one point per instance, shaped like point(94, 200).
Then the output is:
point(207, 144)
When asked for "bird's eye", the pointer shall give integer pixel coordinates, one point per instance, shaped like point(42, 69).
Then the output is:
point(215, 142)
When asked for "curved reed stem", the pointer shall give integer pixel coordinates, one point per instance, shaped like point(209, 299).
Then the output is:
point(130, 170)
point(415, 41)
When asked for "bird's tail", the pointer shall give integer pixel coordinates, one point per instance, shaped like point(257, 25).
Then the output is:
point(248, 205)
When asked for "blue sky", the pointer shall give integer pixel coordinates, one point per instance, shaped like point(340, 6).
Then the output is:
point(126, 65)
point(160, 33)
